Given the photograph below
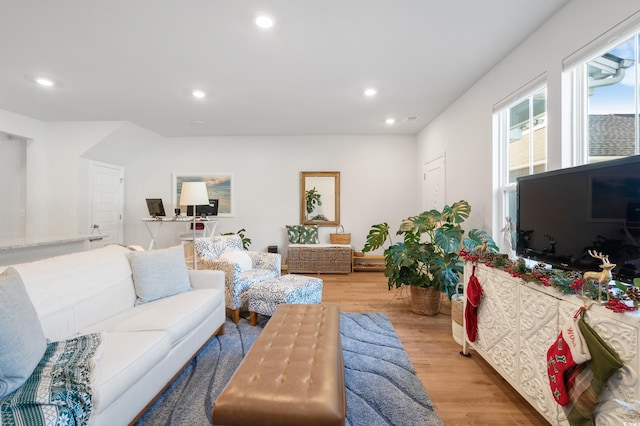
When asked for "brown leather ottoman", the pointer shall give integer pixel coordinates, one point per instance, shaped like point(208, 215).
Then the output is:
point(293, 374)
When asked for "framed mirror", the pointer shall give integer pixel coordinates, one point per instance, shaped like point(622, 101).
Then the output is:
point(320, 198)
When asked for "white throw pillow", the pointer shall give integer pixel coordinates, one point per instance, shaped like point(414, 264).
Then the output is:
point(21, 337)
point(240, 257)
point(159, 273)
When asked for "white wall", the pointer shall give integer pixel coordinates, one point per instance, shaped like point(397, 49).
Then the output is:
point(379, 178)
point(378, 182)
point(464, 130)
point(57, 158)
point(13, 191)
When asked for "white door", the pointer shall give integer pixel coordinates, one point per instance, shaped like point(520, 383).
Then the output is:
point(433, 185)
point(107, 193)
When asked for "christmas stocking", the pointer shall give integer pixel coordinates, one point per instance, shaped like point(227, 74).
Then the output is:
point(474, 293)
point(569, 350)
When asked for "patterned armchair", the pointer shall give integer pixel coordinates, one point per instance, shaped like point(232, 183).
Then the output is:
point(241, 268)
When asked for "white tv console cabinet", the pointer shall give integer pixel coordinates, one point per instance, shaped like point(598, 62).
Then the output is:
point(518, 321)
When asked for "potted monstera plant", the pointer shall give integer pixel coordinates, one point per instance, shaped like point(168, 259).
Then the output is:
point(427, 259)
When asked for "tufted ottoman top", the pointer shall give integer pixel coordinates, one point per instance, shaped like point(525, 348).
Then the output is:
point(293, 374)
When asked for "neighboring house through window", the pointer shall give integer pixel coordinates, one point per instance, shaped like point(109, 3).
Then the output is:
point(605, 102)
point(520, 129)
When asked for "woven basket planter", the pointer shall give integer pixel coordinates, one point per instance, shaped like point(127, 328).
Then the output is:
point(425, 301)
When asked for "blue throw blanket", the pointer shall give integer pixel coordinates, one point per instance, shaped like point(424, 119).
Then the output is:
point(58, 393)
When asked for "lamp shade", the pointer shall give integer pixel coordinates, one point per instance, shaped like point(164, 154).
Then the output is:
point(194, 194)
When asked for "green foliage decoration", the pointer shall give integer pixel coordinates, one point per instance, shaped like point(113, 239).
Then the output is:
point(246, 241)
point(428, 255)
point(312, 199)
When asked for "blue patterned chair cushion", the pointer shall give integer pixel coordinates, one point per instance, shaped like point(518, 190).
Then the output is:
point(265, 297)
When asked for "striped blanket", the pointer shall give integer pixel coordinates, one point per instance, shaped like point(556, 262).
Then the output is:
point(58, 393)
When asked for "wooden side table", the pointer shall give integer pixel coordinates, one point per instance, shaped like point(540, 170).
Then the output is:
point(372, 262)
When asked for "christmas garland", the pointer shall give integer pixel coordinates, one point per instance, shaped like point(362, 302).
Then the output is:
point(567, 282)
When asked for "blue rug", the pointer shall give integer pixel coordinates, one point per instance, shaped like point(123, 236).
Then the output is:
point(382, 387)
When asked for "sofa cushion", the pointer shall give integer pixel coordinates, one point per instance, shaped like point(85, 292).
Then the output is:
point(73, 291)
point(240, 257)
point(176, 316)
point(126, 357)
point(159, 273)
point(20, 330)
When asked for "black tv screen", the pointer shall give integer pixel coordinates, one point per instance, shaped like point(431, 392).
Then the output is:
point(563, 214)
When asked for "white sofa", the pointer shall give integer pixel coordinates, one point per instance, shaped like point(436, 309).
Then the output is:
point(144, 345)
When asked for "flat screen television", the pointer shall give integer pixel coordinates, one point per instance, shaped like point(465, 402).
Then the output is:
point(204, 210)
point(563, 214)
point(155, 207)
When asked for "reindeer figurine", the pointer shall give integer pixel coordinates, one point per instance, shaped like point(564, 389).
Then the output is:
point(481, 249)
point(603, 277)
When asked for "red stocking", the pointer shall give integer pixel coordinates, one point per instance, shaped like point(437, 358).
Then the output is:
point(474, 293)
point(567, 351)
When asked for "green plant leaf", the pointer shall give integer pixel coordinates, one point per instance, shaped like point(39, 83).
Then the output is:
point(448, 237)
point(456, 213)
point(377, 236)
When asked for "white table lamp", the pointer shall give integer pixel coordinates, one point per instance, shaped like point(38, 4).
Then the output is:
point(194, 194)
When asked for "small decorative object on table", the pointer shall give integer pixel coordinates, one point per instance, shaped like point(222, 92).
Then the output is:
point(601, 278)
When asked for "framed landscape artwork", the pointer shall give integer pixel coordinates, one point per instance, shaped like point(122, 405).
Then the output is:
point(219, 187)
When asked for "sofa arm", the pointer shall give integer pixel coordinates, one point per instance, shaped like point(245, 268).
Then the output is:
point(206, 278)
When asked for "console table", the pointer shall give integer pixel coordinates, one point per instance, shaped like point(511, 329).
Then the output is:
point(153, 225)
point(518, 321)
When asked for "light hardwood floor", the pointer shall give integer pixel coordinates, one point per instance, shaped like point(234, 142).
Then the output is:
point(465, 391)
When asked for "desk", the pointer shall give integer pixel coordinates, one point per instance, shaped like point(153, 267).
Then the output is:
point(149, 222)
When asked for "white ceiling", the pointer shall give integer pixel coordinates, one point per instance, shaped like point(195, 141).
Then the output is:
point(139, 60)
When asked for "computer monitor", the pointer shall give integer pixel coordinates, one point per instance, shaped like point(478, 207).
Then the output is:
point(155, 206)
point(210, 210)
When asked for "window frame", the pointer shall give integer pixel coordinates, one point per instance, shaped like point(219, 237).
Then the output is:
point(574, 68)
point(501, 110)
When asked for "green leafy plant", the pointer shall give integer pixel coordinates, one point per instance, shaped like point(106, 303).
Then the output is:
point(312, 197)
point(428, 255)
point(246, 241)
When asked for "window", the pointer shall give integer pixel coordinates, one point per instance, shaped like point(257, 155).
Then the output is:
point(521, 131)
point(607, 91)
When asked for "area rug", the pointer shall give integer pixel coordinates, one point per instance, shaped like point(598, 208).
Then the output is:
point(382, 387)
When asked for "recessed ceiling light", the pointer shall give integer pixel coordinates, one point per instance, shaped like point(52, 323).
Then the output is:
point(44, 82)
point(265, 22)
point(197, 122)
point(198, 94)
point(370, 91)
point(390, 121)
